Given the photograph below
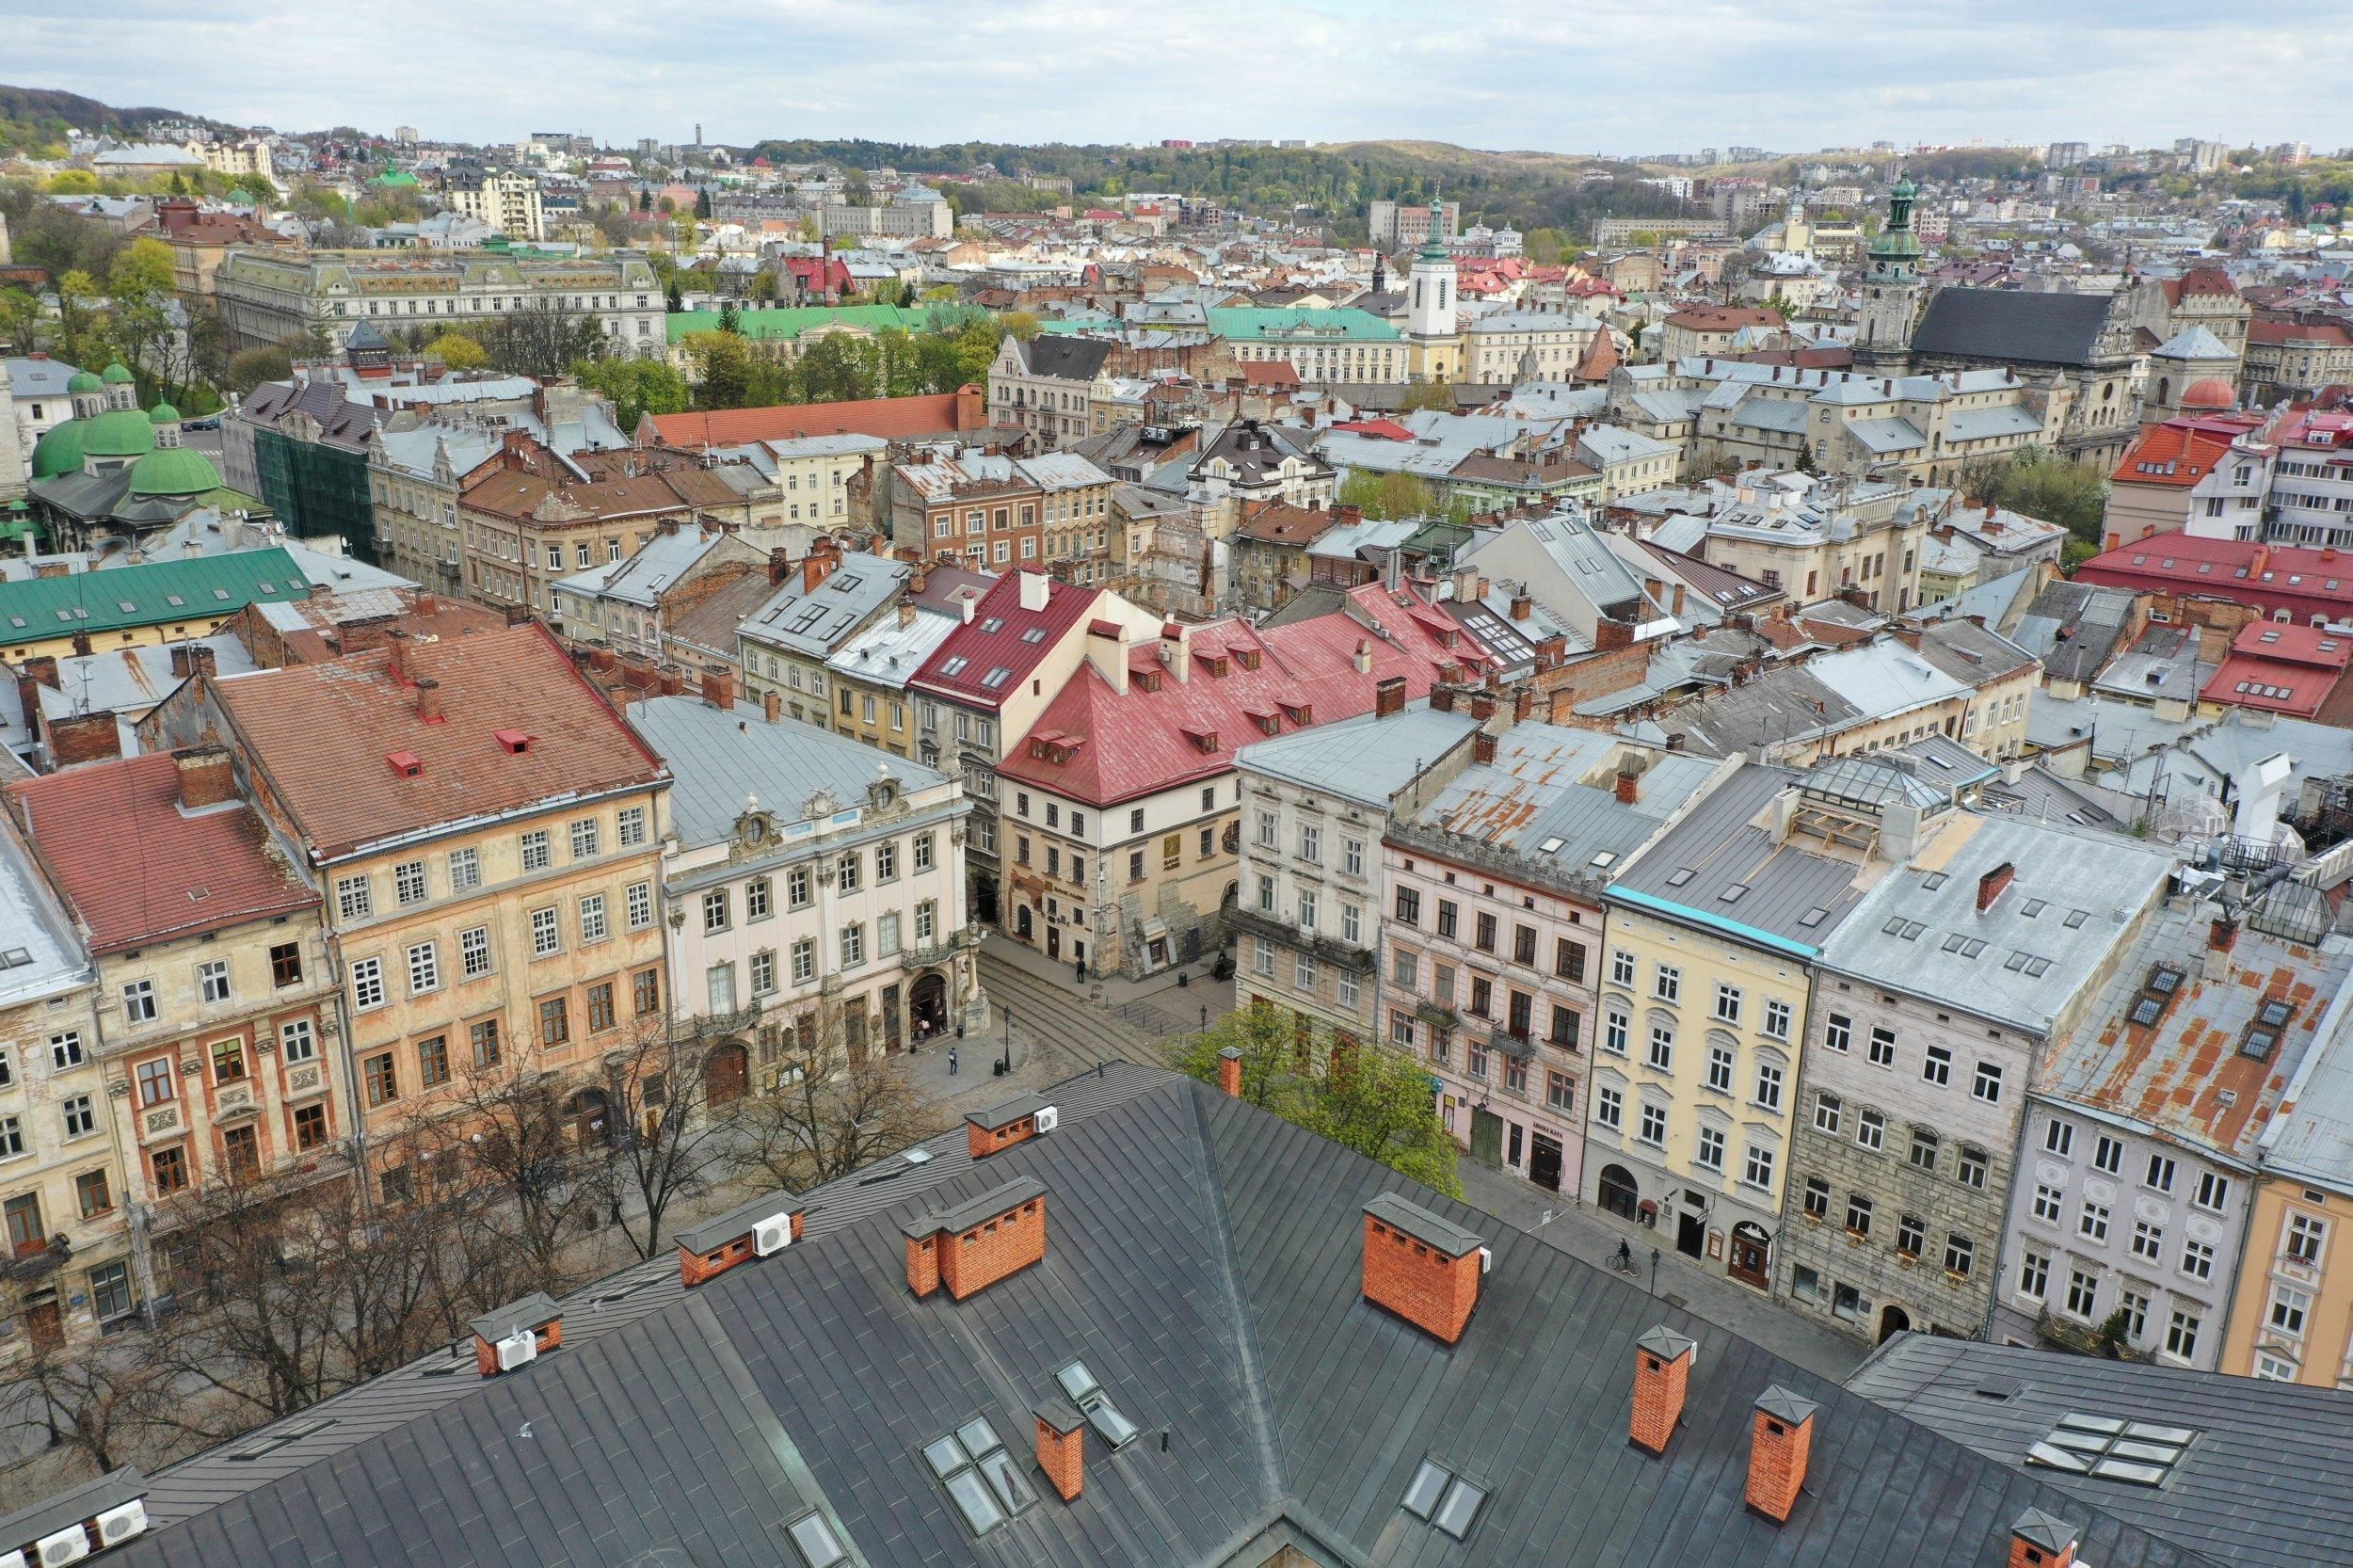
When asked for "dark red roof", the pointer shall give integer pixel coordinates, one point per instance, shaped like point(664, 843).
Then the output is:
point(2271, 578)
point(1100, 746)
point(998, 639)
point(885, 418)
point(137, 869)
point(2280, 668)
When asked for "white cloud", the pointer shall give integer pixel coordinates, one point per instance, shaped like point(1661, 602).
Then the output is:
point(1569, 76)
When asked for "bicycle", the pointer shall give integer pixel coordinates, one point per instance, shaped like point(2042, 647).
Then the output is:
point(1623, 1261)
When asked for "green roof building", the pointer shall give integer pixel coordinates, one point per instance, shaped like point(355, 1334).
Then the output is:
point(174, 470)
point(787, 324)
point(60, 449)
point(158, 602)
point(118, 433)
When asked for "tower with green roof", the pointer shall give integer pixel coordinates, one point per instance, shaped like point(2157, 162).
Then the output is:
point(1891, 288)
point(1433, 330)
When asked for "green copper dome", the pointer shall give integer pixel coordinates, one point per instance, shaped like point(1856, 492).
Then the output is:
point(84, 382)
point(174, 470)
point(60, 450)
point(114, 374)
point(163, 413)
point(116, 432)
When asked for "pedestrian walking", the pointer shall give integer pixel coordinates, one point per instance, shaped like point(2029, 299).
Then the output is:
point(952, 1061)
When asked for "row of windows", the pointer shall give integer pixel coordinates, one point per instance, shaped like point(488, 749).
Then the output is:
point(423, 965)
point(1912, 1232)
point(1758, 1156)
point(390, 1074)
point(142, 1004)
point(1936, 1063)
point(759, 893)
point(157, 1078)
point(2213, 1191)
point(2085, 1301)
point(461, 869)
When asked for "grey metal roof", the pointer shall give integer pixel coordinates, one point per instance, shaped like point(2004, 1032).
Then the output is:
point(1005, 1112)
point(1392, 1209)
point(720, 1229)
point(720, 758)
point(1203, 1258)
point(41, 955)
point(1366, 758)
point(816, 622)
point(1553, 786)
point(2262, 1486)
point(973, 1211)
point(1788, 893)
point(2101, 881)
point(2013, 325)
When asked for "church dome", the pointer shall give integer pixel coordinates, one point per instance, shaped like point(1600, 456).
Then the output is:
point(114, 374)
point(174, 470)
point(116, 432)
point(84, 382)
point(59, 450)
point(2212, 393)
point(163, 413)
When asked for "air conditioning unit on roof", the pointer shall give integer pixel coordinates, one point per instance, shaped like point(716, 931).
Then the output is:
point(118, 1524)
point(11, 1560)
point(1048, 1118)
point(67, 1546)
point(773, 1234)
point(518, 1348)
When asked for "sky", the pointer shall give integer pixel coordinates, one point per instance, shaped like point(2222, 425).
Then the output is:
point(1564, 76)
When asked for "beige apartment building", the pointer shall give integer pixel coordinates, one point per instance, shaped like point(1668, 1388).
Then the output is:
point(507, 201)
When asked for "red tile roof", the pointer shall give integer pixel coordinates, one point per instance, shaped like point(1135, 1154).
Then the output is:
point(998, 638)
point(2281, 669)
point(137, 869)
point(320, 734)
point(1269, 373)
point(2180, 451)
point(1097, 744)
point(2324, 332)
point(885, 418)
point(2303, 583)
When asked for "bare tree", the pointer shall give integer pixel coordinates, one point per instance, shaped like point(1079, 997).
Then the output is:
point(542, 340)
point(830, 1111)
point(107, 1407)
point(675, 1138)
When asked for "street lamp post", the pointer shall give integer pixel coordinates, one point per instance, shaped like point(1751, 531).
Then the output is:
point(1653, 1270)
point(1005, 1065)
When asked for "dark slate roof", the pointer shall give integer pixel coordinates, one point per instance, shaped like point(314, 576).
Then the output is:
point(2262, 1485)
point(2009, 325)
point(1204, 1259)
point(1073, 358)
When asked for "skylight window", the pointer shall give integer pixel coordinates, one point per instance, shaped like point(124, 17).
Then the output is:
point(814, 1539)
point(2164, 980)
point(955, 665)
point(2274, 1014)
point(1681, 875)
point(2147, 1011)
point(278, 1438)
point(1933, 881)
point(1444, 1499)
point(2075, 919)
point(1115, 1430)
point(997, 677)
point(1968, 947)
point(994, 623)
point(1732, 895)
point(1906, 929)
point(1814, 917)
point(1034, 635)
point(2141, 1452)
point(1550, 846)
point(2032, 907)
point(981, 1478)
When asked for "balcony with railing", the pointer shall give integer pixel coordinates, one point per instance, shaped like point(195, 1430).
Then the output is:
point(1327, 950)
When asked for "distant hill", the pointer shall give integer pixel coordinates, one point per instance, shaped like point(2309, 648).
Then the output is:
point(45, 114)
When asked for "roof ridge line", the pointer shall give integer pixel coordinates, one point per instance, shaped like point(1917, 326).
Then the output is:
point(1245, 1324)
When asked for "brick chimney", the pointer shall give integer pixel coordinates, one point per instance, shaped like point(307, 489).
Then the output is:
point(1994, 884)
point(1523, 704)
point(429, 700)
point(2039, 1541)
point(1483, 748)
point(1442, 699)
point(824, 555)
point(1389, 698)
point(536, 1315)
point(1230, 1071)
point(1001, 1127)
point(179, 661)
point(1420, 1266)
point(1781, 1439)
point(1629, 783)
point(976, 1244)
point(719, 687)
point(1522, 604)
point(428, 605)
point(765, 1225)
point(397, 655)
point(83, 738)
point(208, 777)
point(772, 704)
point(203, 663)
point(2222, 934)
point(1663, 1360)
point(779, 565)
point(1061, 1447)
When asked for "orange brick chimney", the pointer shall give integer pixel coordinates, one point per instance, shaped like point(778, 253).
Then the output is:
point(1061, 1447)
point(1663, 1360)
point(535, 1316)
point(756, 1229)
point(978, 1242)
point(1424, 1268)
point(2039, 1541)
point(207, 777)
point(1230, 1071)
point(1001, 1127)
point(1781, 1439)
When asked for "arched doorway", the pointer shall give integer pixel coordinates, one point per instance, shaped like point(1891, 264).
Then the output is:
point(927, 1006)
point(1618, 1192)
point(588, 1119)
point(1751, 1255)
point(1893, 1322)
point(1022, 926)
point(726, 1073)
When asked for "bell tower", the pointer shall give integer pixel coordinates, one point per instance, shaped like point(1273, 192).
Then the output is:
point(1430, 305)
point(1891, 288)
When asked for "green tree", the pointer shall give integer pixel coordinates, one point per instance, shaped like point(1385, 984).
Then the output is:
point(458, 351)
point(1438, 395)
point(257, 186)
point(702, 203)
point(2041, 484)
point(724, 368)
point(72, 181)
point(644, 201)
point(1388, 495)
point(249, 368)
point(636, 387)
point(1378, 1102)
point(143, 271)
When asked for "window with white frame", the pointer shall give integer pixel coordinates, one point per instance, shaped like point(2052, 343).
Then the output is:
point(1666, 983)
point(473, 952)
point(547, 934)
point(592, 923)
point(638, 904)
point(211, 981)
point(425, 968)
point(353, 901)
point(367, 983)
